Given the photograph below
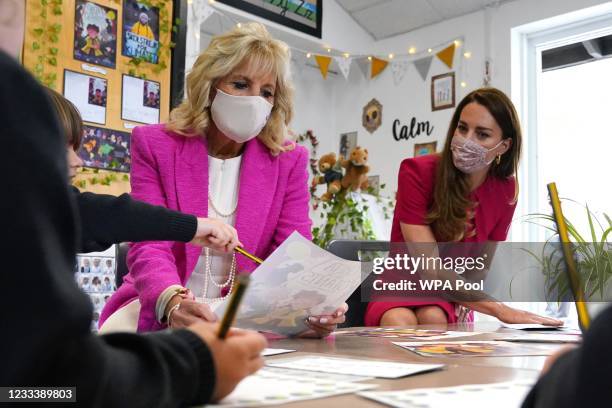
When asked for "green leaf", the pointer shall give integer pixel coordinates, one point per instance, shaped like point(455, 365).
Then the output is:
point(35, 46)
point(38, 32)
point(53, 50)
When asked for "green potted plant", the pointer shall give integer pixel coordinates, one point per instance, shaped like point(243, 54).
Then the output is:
point(592, 253)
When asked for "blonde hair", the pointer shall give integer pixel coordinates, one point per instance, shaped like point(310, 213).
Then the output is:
point(252, 44)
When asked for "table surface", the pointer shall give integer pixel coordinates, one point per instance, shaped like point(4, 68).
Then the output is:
point(458, 370)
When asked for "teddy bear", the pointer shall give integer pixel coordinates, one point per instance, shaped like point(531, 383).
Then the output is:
point(356, 174)
point(330, 175)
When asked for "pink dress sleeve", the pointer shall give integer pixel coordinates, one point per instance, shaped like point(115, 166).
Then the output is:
point(414, 192)
point(507, 207)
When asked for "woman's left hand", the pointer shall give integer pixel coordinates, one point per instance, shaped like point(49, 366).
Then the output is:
point(324, 325)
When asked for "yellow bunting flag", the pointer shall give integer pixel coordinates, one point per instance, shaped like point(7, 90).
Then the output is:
point(323, 63)
point(378, 66)
point(447, 55)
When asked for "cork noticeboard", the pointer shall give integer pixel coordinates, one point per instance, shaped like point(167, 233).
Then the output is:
point(105, 75)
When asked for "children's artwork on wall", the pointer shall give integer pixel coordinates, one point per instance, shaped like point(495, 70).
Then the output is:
point(140, 100)
point(348, 141)
point(105, 149)
point(140, 31)
point(372, 116)
point(422, 149)
point(443, 91)
point(95, 34)
point(88, 94)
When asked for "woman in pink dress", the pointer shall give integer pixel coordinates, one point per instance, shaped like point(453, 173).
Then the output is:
point(465, 194)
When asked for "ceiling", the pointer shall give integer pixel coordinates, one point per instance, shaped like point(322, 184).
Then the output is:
point(387, 18)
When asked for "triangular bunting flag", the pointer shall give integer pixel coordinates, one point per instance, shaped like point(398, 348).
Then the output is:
point(422, 66)
point(344, 64)
point(378, 66)
point(364, 66)
point(399, 69)
point(323, 63)
point(447, 55)
point(202, 11)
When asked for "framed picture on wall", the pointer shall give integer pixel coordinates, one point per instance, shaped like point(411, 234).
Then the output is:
point(374, 184)
point(302, 15)
point(422, 149)
point(95, 34)
point(88, 93)
point(348, 141)
point(443, 91)
point(140, 100)
point(140, 31)
point(105, 149)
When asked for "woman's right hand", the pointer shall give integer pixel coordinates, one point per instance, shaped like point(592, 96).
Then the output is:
point(188, 313)
point(511, 315)
point(235, 357)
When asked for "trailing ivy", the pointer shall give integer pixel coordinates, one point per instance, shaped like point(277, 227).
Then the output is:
point(45, 43)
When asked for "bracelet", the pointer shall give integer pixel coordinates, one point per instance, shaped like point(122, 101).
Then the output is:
point(172, 309)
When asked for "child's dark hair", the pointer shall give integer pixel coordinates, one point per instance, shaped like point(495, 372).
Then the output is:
point(69, 118)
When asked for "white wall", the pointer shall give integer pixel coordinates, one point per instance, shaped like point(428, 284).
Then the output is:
point(333, 106)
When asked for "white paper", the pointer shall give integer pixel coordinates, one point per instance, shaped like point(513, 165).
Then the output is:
point(76, 90)
point(366, 368)
point(475, 348)
point(133, 105)
point(273, 352)
point(273, 388)
point(405, 333)
point(499, 395)
point(93, 68)
point(543, 338)
point(317, 375)
point(297, 280)
point(531, 326)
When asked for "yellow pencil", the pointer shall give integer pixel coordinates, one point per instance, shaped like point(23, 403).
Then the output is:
point(242, 282)
point(251, 257)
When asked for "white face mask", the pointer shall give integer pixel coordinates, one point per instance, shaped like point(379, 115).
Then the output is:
point(240, 118)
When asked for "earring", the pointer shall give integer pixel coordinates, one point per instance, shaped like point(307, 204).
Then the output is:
point(498, 159)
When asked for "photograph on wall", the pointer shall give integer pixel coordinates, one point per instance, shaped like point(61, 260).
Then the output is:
point(140, 100)
point(95, 34)
point(348, 141)
point(422, 149)
point(374, 184)
point(443, 91)
point(371, 118)
point(140, 31)
point(88, 94)
point(302, 15)
point(106, 149)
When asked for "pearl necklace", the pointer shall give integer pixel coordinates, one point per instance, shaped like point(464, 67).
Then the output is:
point(219, 213)
point(209, 278)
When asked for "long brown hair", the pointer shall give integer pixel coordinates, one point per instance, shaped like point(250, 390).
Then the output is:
point(448, 215)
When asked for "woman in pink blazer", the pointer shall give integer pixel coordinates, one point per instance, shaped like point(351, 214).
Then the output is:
point(222, 155)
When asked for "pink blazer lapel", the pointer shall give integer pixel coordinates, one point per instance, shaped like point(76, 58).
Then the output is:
point(191, 183)
point(191, 176)
point(258, 179)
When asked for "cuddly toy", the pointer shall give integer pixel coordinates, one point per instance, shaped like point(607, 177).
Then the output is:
point(330, 175)
point(356, 174)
